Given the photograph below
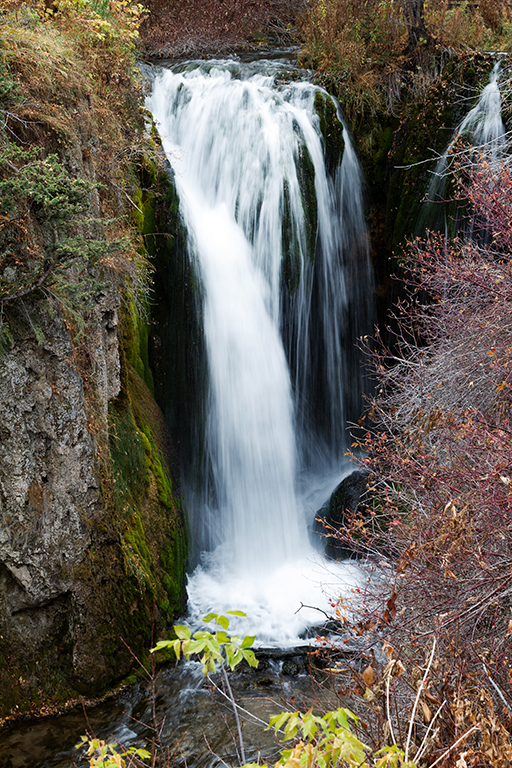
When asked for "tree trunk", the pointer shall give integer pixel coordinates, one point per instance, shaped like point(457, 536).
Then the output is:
point(413, 10)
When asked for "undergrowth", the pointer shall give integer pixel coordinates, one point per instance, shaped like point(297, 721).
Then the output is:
point(438, 451)
point(375, 63)
point(70, 137)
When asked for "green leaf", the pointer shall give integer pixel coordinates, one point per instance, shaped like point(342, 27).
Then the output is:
point(161, 644)
point(248, 641)
point(223, 621)
point(229, 649)
point(196, 646)
point(209, 617)
point(183, 632)
point(277, 721)
point(250, 658)
point(343, 715)
point(237, 613)
point(232, 652)
point(285, 756)
point(309, 725)
point(214, 648)
point(291, 727)
point(142, 753)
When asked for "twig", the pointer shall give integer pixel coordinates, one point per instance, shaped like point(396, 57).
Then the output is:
point(423, 744)
point(314, 608)
point(495, 687)
point(235, 710)
point(240, 709)
point(120, 189)
point(388, 712)
point(464, 736)
point(139, 662)
point(213, 753)
point(417, 701)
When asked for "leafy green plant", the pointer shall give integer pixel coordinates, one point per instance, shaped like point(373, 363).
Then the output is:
point(212, 649)
point(327, 741)
point(103, 755)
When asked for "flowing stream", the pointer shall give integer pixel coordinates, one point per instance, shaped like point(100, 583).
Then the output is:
point(483, 129)
point(279, 243)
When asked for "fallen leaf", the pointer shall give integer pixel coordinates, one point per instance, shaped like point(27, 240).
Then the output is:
point(369, 676)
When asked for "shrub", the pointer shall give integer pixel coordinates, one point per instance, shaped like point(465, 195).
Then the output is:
point(380, 53)
point(439, 454)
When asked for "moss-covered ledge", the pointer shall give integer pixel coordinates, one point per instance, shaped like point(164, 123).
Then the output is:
point(145, 483)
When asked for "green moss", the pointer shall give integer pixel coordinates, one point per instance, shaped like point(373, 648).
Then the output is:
point(145, 481)
point(425, 131)
point(129, 461)
point(135, 330)
point(146, 502)
point(331, 129)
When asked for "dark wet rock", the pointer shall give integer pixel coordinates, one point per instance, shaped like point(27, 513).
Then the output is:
point(291, 668)
point(332, 517)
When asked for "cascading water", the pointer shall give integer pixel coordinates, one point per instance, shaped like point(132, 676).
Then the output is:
point(280, 247)
point(483, 128)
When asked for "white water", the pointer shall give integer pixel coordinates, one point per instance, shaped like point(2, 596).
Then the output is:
point(235, 140)
point(483, 128)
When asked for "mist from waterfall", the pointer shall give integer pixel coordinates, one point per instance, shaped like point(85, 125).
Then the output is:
point(280, 248)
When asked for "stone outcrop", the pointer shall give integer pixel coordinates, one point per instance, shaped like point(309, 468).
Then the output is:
point(92, 537)
point(332, 517)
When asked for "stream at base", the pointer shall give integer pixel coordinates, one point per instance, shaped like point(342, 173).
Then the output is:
point(198, 723)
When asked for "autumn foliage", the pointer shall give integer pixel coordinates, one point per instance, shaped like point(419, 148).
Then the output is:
point(206, 26)
point(438, 517)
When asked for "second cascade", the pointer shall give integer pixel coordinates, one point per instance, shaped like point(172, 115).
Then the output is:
point(277, 242)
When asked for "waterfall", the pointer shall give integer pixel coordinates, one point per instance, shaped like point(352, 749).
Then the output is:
point(483, 128)
point(280, 248)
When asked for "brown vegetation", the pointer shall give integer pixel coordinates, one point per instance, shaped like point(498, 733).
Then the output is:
point(439, 455)
point(208, 27)
point(380, 55)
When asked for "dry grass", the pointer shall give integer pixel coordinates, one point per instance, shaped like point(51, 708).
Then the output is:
point(77, 95)
point(364, 46)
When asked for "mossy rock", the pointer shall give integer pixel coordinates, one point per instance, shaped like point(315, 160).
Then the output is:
point(423, 135)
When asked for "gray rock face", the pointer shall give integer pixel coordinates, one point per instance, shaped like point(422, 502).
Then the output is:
point(51, 506)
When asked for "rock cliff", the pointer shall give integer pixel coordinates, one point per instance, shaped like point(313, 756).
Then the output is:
point(92, 539)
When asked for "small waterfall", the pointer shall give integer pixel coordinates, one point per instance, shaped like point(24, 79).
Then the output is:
point(483, 128)
point(281, 250)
